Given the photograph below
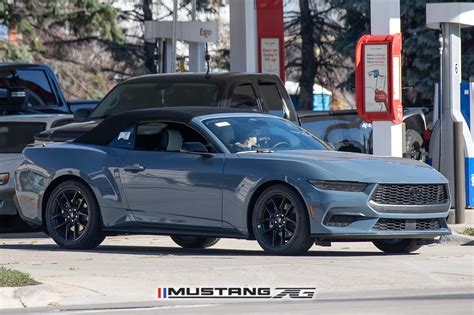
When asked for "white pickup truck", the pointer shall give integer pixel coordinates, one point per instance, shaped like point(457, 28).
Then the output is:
point(16, 132)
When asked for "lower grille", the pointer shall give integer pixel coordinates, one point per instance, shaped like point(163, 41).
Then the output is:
point(407, 225)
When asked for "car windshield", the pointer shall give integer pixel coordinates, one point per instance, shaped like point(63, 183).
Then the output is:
point(152, 95)
point(242, 134)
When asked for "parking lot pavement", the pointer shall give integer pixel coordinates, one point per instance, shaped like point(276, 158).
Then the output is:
point(129, 269)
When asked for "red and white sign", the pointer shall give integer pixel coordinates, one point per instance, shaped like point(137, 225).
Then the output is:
point(270, 55)
point(270, 38)
point(378, 78)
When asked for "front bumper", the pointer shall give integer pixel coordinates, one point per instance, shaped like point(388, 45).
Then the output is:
point(366, 229)
point(342, 215)
point(7, 204)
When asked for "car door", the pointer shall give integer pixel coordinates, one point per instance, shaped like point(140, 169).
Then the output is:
point(168, 187)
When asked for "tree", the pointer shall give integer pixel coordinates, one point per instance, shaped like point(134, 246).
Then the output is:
point(59, 20)
point(146, 10)
point(310, 31)
point(77, 38)
point(420, 54)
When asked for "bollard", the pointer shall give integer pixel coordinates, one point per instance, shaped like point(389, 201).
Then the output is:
point(459, 179)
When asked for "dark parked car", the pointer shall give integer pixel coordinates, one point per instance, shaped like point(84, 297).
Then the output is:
point(201, 173)
point(346, 131)
point(39, 85)
point(256, 92)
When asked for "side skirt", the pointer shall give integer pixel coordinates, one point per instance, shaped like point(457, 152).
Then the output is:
point(162, 229)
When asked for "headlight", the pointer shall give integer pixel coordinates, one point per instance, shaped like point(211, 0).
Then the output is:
point(339, 186)
point(4, 177)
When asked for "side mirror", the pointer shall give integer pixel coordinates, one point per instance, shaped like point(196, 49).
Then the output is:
point(82, 114)
point(13, 99)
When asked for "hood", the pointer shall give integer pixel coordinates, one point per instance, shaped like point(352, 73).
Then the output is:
point(9, 161)
point(360, 167)
point(67, 132)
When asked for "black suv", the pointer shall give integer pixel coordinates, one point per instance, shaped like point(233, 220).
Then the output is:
point(258, 92)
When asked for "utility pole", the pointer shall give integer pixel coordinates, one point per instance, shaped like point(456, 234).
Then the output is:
point(196, 50)
point(385, 20)
point(173, 49)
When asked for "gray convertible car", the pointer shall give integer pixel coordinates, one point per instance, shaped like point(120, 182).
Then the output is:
point(198, 174)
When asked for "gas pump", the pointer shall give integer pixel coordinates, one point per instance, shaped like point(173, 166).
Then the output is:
point(450, 18)
point(467, 109)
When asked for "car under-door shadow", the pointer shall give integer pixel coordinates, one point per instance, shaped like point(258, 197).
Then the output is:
point(177, 251)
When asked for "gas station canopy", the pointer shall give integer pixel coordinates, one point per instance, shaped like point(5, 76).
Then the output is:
point(456, 13)
point(189, 31)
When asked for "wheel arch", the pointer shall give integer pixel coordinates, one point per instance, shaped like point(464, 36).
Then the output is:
point(55, 183)
point(258, 191)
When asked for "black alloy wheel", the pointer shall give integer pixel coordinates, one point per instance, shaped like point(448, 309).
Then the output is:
point(72, 216)
point(280, 222)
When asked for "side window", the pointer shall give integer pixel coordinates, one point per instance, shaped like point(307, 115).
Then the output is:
point(272, 99)
point(38, 87)
point(168, 137)
point(125, 139)
point(244, 97)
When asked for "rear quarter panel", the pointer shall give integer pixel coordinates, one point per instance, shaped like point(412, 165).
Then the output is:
point(95, 165)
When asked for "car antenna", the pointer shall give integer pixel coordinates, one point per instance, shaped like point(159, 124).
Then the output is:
point(208, 58)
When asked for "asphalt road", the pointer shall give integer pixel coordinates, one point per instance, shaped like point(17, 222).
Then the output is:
point(123, 276)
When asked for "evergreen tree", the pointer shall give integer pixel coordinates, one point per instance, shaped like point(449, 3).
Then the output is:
point(420, 59)
point(310, 30)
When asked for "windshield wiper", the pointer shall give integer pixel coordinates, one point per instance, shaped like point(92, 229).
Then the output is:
point(256, 151)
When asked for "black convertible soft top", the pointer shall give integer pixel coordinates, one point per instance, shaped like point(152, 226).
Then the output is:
point(112, 125)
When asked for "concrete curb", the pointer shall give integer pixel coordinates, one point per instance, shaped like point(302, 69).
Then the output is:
point(457, 239)
point(28, 296)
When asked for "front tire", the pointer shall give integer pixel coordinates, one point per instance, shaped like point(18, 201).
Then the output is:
point(73, 216)
point(194, 241)
point(280, 222)
point(397, 246)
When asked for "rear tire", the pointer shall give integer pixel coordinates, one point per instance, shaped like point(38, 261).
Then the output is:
point(194, 241)
point(280, 222)
point(397, 246)
point(73, 216)
point(414, 145)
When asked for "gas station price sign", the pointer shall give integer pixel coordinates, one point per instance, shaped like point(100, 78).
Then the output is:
point(378, 78)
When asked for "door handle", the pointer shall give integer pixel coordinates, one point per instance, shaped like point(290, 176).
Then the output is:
point(135, 168)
